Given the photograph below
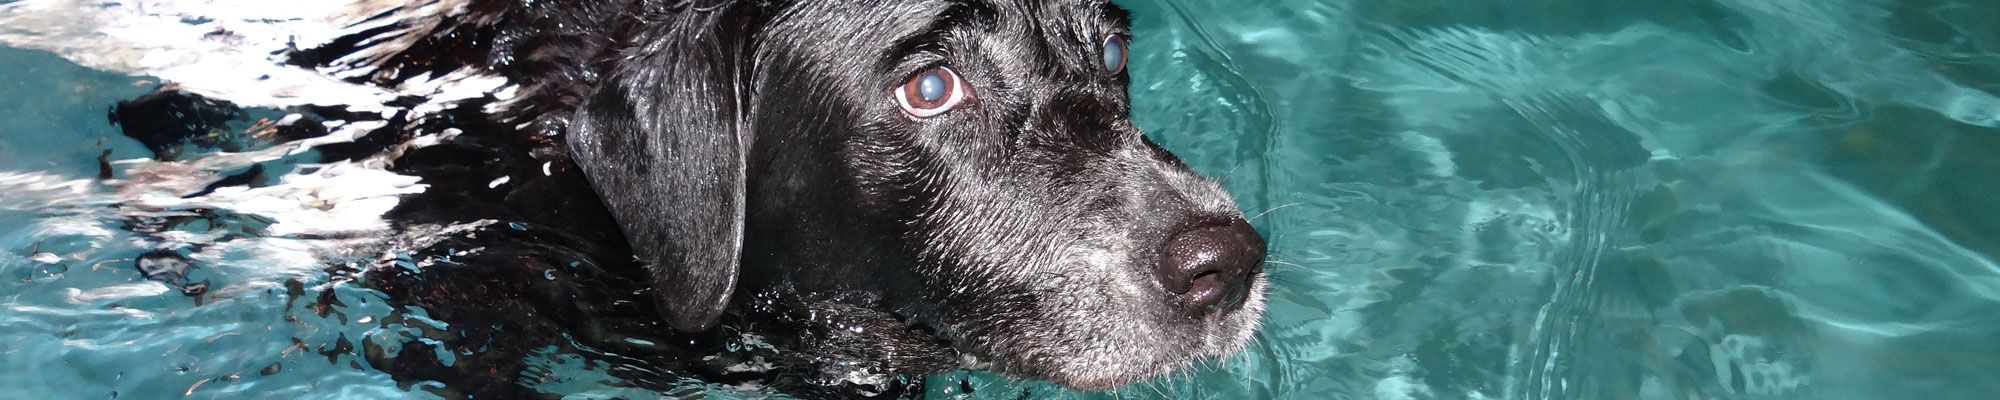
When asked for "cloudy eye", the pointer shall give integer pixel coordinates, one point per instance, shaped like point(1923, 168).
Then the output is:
point(931, 92)
point(1114, 54)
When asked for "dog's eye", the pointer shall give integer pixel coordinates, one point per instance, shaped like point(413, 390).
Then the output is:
point(931, 92)
point(1114, 54)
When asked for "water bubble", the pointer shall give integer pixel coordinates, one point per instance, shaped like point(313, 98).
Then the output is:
point(42, 268)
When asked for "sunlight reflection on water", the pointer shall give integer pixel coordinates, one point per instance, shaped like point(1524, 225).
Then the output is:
point(1520, 200)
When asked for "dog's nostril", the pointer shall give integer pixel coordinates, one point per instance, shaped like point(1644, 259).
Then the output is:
point(1210, 268)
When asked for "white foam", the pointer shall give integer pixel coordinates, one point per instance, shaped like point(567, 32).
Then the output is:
point(338, 198)
point(30, 190)
point(114, 292)
point(231, 49)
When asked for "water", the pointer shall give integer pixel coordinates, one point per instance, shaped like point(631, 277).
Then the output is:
point(1741, 199)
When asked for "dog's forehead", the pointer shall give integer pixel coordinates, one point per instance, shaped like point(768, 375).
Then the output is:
point(887, 29)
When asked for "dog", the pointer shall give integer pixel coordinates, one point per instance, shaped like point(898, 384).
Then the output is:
point(834, 191)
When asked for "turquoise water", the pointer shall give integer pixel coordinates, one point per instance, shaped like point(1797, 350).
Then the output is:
point(1730, 199)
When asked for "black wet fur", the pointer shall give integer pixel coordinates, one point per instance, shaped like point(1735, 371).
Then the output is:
point(867, 238)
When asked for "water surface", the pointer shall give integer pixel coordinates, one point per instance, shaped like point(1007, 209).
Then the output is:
point(1731, 199)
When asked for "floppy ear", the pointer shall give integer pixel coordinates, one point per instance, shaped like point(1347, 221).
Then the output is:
point(663, 140)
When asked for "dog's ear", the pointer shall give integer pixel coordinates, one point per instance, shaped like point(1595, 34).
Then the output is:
point(663, 140)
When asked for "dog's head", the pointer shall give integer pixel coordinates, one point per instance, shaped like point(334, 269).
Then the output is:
point(968, 164)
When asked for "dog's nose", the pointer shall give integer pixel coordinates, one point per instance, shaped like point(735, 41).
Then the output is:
point(1208, 269)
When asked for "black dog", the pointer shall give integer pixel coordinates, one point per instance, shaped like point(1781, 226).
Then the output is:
point(892, 187)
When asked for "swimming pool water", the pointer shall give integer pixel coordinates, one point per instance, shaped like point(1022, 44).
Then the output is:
point(1564, 199)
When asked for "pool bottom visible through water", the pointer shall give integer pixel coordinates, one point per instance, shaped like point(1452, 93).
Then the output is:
point(1552, 199)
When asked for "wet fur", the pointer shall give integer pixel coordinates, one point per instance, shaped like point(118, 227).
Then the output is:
point(770, 186)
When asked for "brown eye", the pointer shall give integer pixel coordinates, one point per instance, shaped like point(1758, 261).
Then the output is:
point(1114, 54)
point(931, 92)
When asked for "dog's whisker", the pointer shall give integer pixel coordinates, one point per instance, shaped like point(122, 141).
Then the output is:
point(1284, 258)
point(1226, 176)
point(1261, 214)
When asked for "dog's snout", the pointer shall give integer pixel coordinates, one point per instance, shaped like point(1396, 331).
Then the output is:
point(1208, 269)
